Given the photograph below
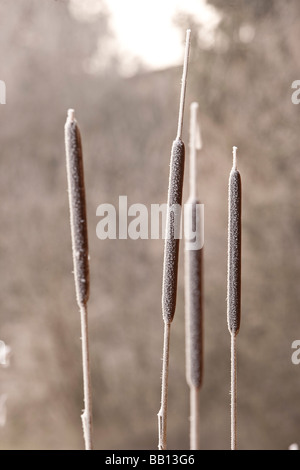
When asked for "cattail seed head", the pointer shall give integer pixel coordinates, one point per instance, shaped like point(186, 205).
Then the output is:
point(194, 309)
point(77, 205)
point(170, 269)
point(234, 253)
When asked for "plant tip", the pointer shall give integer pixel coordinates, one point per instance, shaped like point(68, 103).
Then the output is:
point(234, 157)
point(71, 114)
point(183, 83)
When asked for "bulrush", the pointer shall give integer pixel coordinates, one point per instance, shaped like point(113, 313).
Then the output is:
point(170, 266)
point(79, 236)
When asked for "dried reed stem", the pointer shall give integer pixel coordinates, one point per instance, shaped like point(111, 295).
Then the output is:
point(162, 414)
point(171, 249)
point(79, 236)
point(233, 393)
point(194, 421)
point(183, 83)
point(195, 144)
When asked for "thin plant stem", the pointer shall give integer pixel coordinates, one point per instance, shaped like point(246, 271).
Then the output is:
point(183, 83)
point(86, 416)
point(194, 418)
point(195, 145)
point(162, 414)
point(233, 393)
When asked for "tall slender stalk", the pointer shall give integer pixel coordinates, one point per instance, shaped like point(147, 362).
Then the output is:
point(233, 393)
point(162, 415)
point(234, 282)
point(170, 267)
point(193, 285)
point(194, 420)
point(79, 234)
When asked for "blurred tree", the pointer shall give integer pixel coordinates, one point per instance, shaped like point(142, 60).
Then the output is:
point(41, 29)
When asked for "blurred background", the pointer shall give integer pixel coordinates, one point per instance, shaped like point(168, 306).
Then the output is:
point(120, 68)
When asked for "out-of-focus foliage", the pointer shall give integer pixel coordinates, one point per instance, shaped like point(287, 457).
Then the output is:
point(243, 85)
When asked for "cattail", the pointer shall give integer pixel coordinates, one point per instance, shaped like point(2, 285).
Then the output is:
point(193, 286)
point(170, 267)
point(234, 250)
point(79, 237)
point(173, 228)
point(234, 282)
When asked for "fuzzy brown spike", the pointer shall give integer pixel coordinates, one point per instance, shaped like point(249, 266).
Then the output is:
point(170, 269)
point(234, 253)
point(193, 310)
point(77, 208)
